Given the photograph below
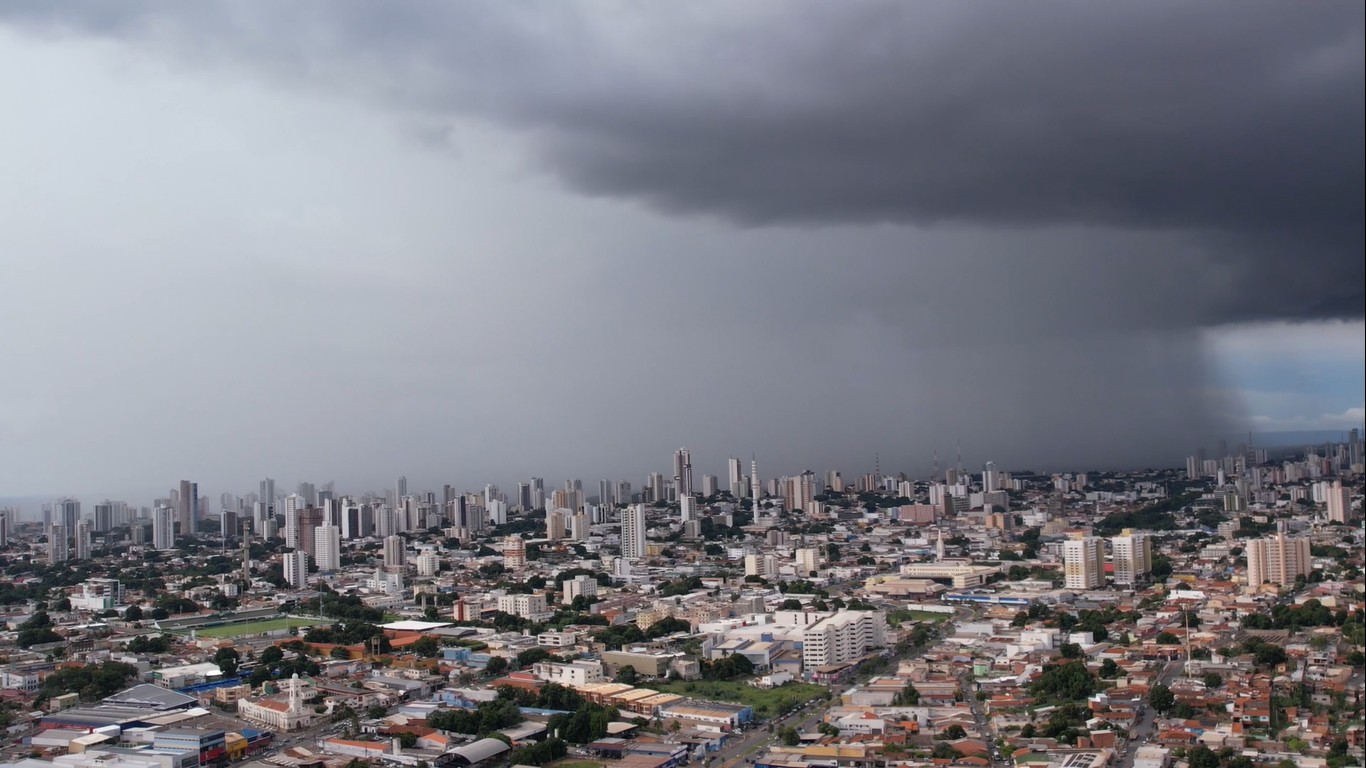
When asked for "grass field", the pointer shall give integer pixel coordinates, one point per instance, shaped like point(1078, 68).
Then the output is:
point(255, 627)
point(571, 763)
point(766, 703)
point(929, 616)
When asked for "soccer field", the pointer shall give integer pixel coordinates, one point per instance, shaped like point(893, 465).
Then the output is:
point(255, 627)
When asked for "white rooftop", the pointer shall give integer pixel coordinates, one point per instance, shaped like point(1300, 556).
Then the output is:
point(414, 626)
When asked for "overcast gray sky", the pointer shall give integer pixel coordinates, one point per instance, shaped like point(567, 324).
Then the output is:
point(476, 242)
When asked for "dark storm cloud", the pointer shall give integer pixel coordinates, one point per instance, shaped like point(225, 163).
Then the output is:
point(886, 227)
point(1239, 125)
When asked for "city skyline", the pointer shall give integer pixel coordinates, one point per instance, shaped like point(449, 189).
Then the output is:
point(308, 492)
point(430, 243)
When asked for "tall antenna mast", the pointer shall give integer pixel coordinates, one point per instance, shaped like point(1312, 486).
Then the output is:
point(1186, 618)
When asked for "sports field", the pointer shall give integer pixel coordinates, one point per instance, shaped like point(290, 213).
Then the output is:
point(255, 627)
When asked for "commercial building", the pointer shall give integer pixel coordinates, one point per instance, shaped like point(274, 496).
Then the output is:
point(960, 574)
point(574, 673)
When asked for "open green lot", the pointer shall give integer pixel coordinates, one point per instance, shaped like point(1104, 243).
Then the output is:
point(766, 703)
point(256, 627)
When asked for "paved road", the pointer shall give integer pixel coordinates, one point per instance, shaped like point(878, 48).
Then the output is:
point(758, 739)
point(984, 729)
point(1144, 728)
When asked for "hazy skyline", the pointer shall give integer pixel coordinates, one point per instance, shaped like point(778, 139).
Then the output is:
point(347, 241)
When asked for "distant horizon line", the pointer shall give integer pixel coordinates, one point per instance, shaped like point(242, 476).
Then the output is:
point(1319, 436)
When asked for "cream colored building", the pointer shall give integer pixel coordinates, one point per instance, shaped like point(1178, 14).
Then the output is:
point(1277, 559)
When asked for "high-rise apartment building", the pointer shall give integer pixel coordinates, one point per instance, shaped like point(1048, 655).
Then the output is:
point(5, 516)
point(187, 507)
point(296, 568)
point(683, 472)
point(428, 562)
point(309, 519)
point(555, 523)
point(163, 528)
point(735, 477)
point(1132, 555)
point(514, 552)
point(711, 485)
point(67, 512)
point(58, 544)
point(687, 508)
point(633, 532)
point(103, 517)
point(327, 547)
point(538, 493)
point(496, 513)
point(1339, 500)
point(1083, 563)
point(81, 540)
point(587, 586)
point(292, 507)
point(808, 561)
point(840, 637)
point(991, 479)
point(1277, 559)
point(756, 490)
point(267, 494)
point(394, 547)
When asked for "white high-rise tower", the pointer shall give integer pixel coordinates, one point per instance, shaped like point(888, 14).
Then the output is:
point(633, 532)
point(754, 490)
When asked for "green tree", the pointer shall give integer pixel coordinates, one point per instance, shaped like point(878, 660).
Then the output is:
point(227, 660)
point(1202, 757)
point(496, 665)
point(1212, 680)
point(1161, 698)
point(627, 675)
point(952, 733)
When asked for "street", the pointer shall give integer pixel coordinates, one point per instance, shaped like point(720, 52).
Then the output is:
point(1139, 736)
